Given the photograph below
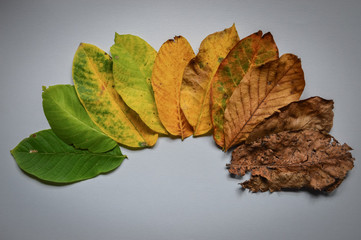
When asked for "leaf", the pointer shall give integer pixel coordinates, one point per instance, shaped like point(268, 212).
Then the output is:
point(70, 122)
point(93, 80)
point(254, 50)
point(263, 90)
point(312, 113)
point(133, 60)
point(169, 65)
point(47, 157)
point(293, 160)
point(195, 90)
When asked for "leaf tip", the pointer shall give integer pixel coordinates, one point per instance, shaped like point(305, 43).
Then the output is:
point(81, 45)
point(43, 88)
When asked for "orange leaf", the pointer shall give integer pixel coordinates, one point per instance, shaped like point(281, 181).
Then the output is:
point(251, 51)
point(172, 58)
point(263, 90)
point(195, 91)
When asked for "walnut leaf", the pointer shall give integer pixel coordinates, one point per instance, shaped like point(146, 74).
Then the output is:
point(262, 91)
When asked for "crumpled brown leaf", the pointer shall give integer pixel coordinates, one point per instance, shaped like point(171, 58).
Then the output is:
point(312, 113)
point(293, 160)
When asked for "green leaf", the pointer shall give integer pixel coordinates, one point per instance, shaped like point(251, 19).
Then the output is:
point(70, 122)
point(47, 157)
point(133, 60)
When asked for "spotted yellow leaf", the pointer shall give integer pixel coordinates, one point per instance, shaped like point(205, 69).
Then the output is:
point(94, 84)
point(195, 91)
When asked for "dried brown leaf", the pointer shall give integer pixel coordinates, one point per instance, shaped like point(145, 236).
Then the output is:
point(293, 160)
point(262, 91)
point(312, 113)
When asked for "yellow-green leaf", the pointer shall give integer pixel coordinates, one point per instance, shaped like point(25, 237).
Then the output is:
point(133, 60)
point(262, 91)
point(195, 91)
point(168, 69)
point(251, 51)
point(93, 80)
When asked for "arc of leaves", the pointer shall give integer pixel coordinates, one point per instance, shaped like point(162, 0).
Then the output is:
point(263, 90)
point(166, 79)
point(251, 51)
point(93, 80)
point(195, 91)
point(133, 60)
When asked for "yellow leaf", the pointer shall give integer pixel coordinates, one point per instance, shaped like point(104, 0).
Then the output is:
point(262, 91)
point(94, 83)
point(251, 51)
point(133, 60)
point(169, 65)
point(195, 91)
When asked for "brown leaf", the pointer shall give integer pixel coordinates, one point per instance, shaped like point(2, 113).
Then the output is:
point(262, 91)
point(312, 113)
point(252, 51)
point(293, 160)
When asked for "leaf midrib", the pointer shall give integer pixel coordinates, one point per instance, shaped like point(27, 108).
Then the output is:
point(234, 139)
point(78, 119)
point(72, 153)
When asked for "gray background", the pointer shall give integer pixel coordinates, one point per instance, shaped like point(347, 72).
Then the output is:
point(176, 190)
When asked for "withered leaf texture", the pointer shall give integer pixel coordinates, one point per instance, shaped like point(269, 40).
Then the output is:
point(293, 160)
point(312, 113)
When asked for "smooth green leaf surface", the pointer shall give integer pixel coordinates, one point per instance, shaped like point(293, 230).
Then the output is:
point(133, 60)
point(70, 122)
point(47, 157)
